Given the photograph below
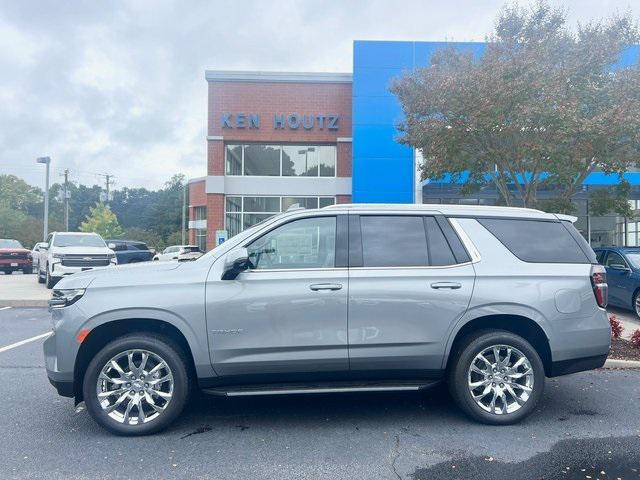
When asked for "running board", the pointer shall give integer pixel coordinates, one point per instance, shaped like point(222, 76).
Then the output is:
point(292, 389)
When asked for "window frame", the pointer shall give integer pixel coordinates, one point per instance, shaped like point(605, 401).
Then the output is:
point(341, 244)
point(241, 213)
point(356, 261)
point(281, 149)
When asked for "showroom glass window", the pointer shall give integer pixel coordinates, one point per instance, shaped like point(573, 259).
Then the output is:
point(273, 160)
point(242, 212)
point(305, 243)
point(200, 214)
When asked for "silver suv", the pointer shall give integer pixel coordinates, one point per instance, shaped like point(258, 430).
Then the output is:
point(351, 298)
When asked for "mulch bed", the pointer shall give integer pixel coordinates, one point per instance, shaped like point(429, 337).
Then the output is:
point(623, 350)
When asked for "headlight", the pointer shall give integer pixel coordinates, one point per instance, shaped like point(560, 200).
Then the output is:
point(64, 298)
point(57, 255)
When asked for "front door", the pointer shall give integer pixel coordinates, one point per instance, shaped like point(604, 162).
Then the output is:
point(286, 317)
point(410, 280)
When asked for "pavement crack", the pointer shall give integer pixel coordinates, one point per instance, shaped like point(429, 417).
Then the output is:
point(396, 454)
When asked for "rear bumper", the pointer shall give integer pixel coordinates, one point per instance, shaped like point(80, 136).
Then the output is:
point(566, 367)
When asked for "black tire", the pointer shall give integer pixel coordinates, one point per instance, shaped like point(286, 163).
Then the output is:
point(27, 271)
point(171, 353)
point(458, 375)
point(50, 280)
point(634, 303)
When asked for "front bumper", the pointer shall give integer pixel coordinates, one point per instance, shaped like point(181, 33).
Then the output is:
point(61, 348)
point(15, 263)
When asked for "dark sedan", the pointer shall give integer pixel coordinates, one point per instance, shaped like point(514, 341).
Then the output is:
point(130, 251)
point(623, 275)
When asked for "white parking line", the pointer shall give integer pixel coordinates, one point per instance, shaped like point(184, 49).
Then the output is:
point(22, 342)
point(4, 308)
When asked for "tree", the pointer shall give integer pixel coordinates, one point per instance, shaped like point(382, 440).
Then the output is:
point(102, 221)
point(542, 107)
point(18, 194)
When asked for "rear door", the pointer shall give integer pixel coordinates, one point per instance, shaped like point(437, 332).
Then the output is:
point(410, 278)
point(618, 279)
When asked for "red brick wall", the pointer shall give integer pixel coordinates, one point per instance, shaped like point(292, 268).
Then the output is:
point(215, 217)
point(197, 194)
point(267, 99)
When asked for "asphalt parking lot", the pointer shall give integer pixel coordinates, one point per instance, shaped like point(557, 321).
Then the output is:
point(586, 424)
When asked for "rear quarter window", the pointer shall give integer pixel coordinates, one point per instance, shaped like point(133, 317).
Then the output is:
point(539, 241)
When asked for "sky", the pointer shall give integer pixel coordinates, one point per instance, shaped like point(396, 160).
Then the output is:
point(118, 87)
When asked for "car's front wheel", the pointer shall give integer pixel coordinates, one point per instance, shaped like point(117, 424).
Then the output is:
point(496, 377)
point(137, 384)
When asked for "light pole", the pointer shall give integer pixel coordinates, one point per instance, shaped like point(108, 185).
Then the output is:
point(47, 162)
point(306, 157)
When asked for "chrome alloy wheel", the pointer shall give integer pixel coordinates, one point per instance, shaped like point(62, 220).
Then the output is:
point(500, 379)
point(637, 305)
point(135, 387)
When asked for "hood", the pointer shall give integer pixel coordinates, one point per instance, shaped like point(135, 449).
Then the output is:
point(15, 250)
point(128, 274)
point(82, 250)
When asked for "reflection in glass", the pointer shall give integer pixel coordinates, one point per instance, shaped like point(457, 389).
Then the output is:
point(234, 159)
point(263, 160)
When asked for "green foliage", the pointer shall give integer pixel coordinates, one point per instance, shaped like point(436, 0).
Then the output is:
point(540, 109)
point(607, 200)
point(152, 239)
point(175, 238)
point(22, 227)
point(17, 194)
point(102, 221)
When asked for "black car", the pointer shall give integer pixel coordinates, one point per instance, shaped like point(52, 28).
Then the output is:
point(130, 251)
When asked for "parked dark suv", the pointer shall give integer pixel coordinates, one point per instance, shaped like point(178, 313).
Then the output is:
point(623, 273)
point(130, 251)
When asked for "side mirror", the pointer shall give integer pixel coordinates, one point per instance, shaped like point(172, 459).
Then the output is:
point(44, 246)
point(111, 245)
point(237, 261)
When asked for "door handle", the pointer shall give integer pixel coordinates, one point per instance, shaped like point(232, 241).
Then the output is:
point(450, 285)
point(325, 286)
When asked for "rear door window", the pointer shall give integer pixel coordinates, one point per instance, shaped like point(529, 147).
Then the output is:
point(538, 241)
point(393, 241)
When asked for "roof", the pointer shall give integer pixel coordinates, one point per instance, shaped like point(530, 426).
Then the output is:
point(446, 209)
point(277, 77)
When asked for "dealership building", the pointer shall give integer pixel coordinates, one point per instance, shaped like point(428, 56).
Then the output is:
point(275, 139)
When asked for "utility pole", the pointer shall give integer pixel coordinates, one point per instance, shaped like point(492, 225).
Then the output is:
point(47, 162)
point(184, 209)
point(107, 181)
point(66, 199)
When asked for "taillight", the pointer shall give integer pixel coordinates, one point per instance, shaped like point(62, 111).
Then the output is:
point(599, 284)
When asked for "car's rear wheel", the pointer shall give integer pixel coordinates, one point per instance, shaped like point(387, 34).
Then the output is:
point(496, 377)
point(137, 384)
point(636, 303)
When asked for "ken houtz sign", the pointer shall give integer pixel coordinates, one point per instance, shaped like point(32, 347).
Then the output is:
point(293, 121)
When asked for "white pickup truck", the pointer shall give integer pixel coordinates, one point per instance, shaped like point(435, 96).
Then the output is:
point(65, 253)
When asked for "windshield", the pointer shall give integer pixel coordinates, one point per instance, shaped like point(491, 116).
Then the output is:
point(634, 259)
point(74, 240)
point(4, 243)
point(191, 249)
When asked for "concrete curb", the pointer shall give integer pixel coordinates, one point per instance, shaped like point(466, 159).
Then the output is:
point(625, 364)
point(24, 303)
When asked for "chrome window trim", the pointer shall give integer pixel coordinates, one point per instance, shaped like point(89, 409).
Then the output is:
point(424, 267)
point(327, 269)
point(466, 241)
